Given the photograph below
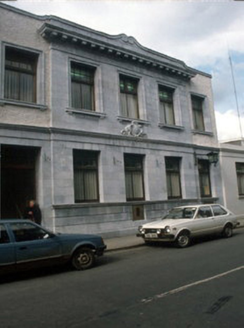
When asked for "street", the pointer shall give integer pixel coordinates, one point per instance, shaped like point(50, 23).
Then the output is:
point(150, 286)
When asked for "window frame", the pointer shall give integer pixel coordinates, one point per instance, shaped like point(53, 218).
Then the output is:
point(94, 155)
point(162, 104)
point(23, 53)
point(134, 81)
point(128, 170)
point(169, 172)
point(204, 170)
point(88, 69)
point(198, 112)
point(239, 175)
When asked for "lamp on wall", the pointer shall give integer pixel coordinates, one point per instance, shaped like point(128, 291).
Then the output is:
point(213, 157)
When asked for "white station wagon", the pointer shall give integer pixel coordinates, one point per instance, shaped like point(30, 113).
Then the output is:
point(183, 223)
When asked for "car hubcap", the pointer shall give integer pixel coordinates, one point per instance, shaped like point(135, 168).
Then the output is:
point(183, 240)
point(83, 258)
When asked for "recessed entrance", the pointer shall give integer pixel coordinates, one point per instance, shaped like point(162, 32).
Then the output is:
point(18, 179)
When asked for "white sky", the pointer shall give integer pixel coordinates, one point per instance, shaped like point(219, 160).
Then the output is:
point(199, 33)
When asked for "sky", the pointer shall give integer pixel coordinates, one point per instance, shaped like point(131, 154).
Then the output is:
point(206, 35)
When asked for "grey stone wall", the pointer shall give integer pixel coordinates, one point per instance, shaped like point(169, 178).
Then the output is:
point(57, 129)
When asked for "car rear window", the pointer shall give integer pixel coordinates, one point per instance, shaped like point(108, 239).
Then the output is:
point(218, 210)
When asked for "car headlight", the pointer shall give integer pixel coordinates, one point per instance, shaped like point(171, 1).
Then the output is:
point(167, 229)
point(141, 229)
point(159, 231)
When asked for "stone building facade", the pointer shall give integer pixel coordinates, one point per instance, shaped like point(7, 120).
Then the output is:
point(102, 131)
point(232, 167)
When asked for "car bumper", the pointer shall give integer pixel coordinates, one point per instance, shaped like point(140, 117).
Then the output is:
point(100, 250)
point(158, 238)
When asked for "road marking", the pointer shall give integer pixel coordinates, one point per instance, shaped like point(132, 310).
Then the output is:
point(180, 289)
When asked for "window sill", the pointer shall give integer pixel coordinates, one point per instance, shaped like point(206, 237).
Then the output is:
point(128, 119)
point(205, 133)
point(85, 112)
point(4, 102)
point(171, 127)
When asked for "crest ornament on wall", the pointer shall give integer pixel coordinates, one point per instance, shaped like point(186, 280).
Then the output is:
point(133, 129)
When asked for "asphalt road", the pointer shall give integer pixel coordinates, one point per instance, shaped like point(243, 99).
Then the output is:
point(152, 286)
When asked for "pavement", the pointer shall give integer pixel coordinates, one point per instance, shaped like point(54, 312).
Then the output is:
point(124, 242)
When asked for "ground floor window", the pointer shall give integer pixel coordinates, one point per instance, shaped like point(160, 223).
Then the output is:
point(86, 176)
point(240, 178)
point(134, 177)
point(204, 178)
point(173, 177)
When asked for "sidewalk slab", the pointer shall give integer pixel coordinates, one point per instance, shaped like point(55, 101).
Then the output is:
point(124, 242)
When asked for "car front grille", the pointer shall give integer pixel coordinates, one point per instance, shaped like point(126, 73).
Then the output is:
point(150, 230)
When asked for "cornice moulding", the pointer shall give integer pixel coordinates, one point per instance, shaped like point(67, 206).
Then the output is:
point(119, 46)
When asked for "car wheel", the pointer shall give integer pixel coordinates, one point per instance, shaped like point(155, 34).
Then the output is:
point(183, 240)
point(228, 231)
point(83, 258)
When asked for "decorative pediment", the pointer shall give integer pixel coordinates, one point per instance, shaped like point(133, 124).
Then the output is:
point(121, 46)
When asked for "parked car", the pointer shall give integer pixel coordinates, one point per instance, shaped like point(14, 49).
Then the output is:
point(24, 244)
point(183, 223)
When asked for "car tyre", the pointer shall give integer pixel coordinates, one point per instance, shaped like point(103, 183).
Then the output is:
point(227, 231)
point(183, 240)
point(83, 258)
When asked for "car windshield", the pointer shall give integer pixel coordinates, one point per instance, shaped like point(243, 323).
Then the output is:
point(181, 213)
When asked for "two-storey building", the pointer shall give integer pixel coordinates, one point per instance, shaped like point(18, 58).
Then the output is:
point(102, 131)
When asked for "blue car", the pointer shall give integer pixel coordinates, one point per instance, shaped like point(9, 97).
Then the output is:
point(24, 244)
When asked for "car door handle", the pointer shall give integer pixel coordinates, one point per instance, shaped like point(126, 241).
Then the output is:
point(22, 248)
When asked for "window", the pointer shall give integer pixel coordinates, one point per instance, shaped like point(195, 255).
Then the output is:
point(240, 178)
point(82, 87)
point(86, 176)
point(166, 105)
point(134, 177)
point(197, 109)
point(28, 232)
point(204, 212)
point(173, 177)
point(4, 238)
point(20, 75)
point(204, 178)
point(218, 210)
point(128, 97)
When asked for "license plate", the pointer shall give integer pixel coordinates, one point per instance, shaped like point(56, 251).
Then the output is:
point(151, 235)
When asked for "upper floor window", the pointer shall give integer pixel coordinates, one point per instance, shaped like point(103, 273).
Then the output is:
point(134, 177)
point(240, 178)
point(20, 75)
point(82, 86)
point(166, 105)
point(204, 178)
point(197, 109)
point(86, 176)
point(129, 97)
point(173, 177)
